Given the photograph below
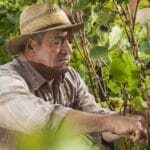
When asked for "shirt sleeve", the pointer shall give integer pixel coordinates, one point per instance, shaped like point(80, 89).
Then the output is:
point(22, 111)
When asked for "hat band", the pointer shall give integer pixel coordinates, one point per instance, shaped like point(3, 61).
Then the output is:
point(48, 26)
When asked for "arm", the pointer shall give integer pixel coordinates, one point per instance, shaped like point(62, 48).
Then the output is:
point(83, 122)
point(22, 111)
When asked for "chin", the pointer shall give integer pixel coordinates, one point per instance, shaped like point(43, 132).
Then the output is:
point(63, 70)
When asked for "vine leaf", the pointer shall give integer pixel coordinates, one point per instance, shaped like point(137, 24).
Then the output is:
point(138, 103)
point(98, 51)
point(81, 5)
point(123, 1)
point(114, 87)
point(114, 36)
point(117, 67)
point(145, 47)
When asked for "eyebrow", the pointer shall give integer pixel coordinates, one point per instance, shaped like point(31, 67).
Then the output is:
point(59, 32)
point(59, 35)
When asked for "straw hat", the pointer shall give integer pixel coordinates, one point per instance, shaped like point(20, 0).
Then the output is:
point(40, 18)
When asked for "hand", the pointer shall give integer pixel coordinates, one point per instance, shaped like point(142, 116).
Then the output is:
point(141, 119)
point(130, 127)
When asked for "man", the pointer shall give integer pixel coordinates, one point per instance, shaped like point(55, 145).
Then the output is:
point(38, 89)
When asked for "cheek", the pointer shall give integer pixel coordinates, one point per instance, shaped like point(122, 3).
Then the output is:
point(53, 56)
point(48, 56)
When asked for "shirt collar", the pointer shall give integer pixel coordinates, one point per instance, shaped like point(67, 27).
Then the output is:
point(35, 79)
point(32, 76)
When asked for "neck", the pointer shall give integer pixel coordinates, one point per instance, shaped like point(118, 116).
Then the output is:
point(47, 72)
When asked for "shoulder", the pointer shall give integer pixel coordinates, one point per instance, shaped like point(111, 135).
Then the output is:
point(9, 76)
point(8, 68)
point(73, 77)
point(72, 74)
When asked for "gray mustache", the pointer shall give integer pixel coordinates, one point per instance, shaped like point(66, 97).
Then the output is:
point(67, 57)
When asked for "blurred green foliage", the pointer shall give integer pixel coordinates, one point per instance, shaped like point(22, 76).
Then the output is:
point(126, 78)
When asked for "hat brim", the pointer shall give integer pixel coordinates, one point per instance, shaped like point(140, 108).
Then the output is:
point(13, 45)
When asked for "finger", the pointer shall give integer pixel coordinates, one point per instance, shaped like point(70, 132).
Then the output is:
point(139, 135)
point(132, 137)
point(143, 141)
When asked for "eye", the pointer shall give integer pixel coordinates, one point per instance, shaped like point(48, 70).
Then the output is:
point(58, 41)
point(70, 38)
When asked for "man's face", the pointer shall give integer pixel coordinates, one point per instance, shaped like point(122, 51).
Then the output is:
point(54, 51)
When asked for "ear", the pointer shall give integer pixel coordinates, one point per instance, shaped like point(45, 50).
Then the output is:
point(31, 46)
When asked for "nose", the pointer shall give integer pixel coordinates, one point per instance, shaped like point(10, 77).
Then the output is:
point(67, 47)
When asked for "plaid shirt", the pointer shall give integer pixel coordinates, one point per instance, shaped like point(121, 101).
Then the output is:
point(28, 102)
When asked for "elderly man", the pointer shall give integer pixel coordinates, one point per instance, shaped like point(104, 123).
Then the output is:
point(38, 89)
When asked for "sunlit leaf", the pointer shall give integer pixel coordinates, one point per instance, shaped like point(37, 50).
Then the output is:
point(117, 67)
point(123, 1)
point(137, 103)
point(114, 87)
point(114, 36)
point(144, 4)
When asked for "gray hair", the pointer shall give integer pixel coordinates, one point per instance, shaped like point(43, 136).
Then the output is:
point(38, 37)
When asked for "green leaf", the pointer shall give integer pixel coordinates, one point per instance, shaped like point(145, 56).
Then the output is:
point(114, 36)
point(144, 4)
point(82, 4)
point(3, 11)
point(13, 18)
point(94, 15)
point(105, 17)
point(132, 71)
point(137, 103)
point(123, 1)
point(114, 87)
point(98, 51)
point(82, 70)
point(117, 67)
point(145, 47)
point(105, 73)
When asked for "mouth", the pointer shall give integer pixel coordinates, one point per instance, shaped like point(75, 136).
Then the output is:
point(64, 61)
